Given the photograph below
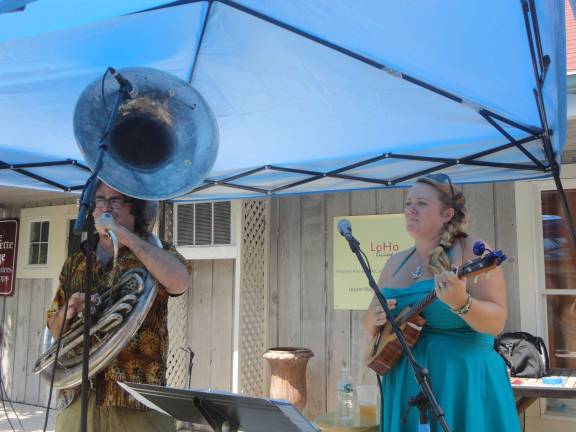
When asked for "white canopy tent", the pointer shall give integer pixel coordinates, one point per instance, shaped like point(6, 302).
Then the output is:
point(309, 96)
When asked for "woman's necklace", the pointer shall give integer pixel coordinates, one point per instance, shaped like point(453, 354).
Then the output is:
point(417, 274)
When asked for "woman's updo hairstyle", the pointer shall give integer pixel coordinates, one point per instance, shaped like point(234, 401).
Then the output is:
point(455, 228)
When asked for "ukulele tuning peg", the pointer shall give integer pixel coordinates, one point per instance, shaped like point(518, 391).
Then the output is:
point(478, 247)
point(500, 257)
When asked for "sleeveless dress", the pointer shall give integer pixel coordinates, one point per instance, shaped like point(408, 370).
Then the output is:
point(468, 378)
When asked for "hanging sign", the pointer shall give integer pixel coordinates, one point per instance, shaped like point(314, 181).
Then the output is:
point(380, 237)
point(8, 254)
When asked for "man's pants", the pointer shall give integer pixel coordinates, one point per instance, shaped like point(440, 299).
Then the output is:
point(112, 419)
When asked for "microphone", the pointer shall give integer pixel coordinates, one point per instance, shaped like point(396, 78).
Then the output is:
point(345, 228)
point(131, 90)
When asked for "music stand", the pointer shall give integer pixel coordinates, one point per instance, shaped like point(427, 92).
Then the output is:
point(221, 411)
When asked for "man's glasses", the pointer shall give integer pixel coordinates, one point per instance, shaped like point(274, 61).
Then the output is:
point(115, 202)
point(444, 179)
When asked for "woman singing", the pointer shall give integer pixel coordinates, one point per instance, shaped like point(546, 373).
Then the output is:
point(467, 376)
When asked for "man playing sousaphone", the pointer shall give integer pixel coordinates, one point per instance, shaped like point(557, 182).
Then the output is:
point(143, 360)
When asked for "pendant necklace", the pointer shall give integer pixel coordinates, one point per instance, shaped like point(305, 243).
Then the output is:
point(416, 274)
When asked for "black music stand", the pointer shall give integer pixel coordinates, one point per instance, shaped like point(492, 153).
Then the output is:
point(220, 411)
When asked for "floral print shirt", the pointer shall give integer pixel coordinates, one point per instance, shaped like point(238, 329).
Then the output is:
point(143, 360)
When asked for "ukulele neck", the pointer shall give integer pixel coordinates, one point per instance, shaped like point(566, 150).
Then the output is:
point(422, 304)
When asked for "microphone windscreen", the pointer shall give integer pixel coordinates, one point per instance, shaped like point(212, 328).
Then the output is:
point(344, 227)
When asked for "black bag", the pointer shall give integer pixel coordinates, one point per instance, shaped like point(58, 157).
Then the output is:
point(525, 355)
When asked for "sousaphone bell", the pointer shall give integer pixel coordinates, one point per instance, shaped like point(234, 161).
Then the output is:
point(164, 141)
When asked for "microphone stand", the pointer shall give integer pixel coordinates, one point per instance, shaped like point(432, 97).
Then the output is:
point(426, 397)
point(85, 220)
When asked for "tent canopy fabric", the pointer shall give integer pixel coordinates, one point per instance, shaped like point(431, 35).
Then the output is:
point(309, 96)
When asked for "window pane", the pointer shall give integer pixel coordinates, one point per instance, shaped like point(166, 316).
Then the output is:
point(35, 232)
point(43, 256)
point(565, 407)
point(34, 251)
point(562, 330)
point(560, 273)
point(44, 231)
point(559, 252)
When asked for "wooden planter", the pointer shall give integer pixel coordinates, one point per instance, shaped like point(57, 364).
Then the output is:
point(288, 370)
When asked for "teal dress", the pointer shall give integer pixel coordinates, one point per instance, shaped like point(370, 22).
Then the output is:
point(467, 376)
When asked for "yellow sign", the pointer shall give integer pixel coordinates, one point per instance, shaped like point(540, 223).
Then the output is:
point(380, 236)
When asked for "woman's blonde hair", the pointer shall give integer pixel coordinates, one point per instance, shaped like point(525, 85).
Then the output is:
point(450, 198)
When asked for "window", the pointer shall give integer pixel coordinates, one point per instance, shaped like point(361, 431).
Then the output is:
point(44, 240)
point(559, 291)
point(38, 250)
point(546, 276)
point(203, 224)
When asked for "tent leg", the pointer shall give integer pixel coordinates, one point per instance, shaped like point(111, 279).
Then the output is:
point(543, 61)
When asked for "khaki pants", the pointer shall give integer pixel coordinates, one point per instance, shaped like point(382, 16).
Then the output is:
point(112, 419)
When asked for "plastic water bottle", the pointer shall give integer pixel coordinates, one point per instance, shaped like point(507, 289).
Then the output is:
point(345, 395)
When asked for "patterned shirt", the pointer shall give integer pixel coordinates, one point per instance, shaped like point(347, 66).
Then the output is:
point(143, 360)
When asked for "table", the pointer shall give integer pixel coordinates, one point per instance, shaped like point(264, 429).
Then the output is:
point(527, 390)
point(330, 422)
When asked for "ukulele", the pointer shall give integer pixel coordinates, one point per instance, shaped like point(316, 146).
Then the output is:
point(385, 349)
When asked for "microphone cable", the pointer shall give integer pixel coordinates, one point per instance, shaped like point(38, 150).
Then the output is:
point(378, 377)
point(102, 91)
point(2, 393)
point(58, 346)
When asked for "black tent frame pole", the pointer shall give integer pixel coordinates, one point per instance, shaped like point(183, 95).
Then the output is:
point(371, 62)
point(510, 138)
point(338, 173)
point(540, 65)
point(200, 40)
point(539, 60)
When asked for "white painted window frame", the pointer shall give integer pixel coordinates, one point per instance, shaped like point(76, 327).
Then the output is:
point(29, 242)
point(531, 260)
point(58, 216)
point(217, 251)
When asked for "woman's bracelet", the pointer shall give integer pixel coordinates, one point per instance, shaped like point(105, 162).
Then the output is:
point(464, 309)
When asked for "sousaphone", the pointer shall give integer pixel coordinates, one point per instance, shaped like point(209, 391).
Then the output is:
point(163, 144)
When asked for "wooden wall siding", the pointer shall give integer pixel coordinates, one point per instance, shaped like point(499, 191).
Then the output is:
point(210, 321)
point(23, 323)
point(209, 325)
point(506, 239)
point(301, 276)
point(313, 292)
